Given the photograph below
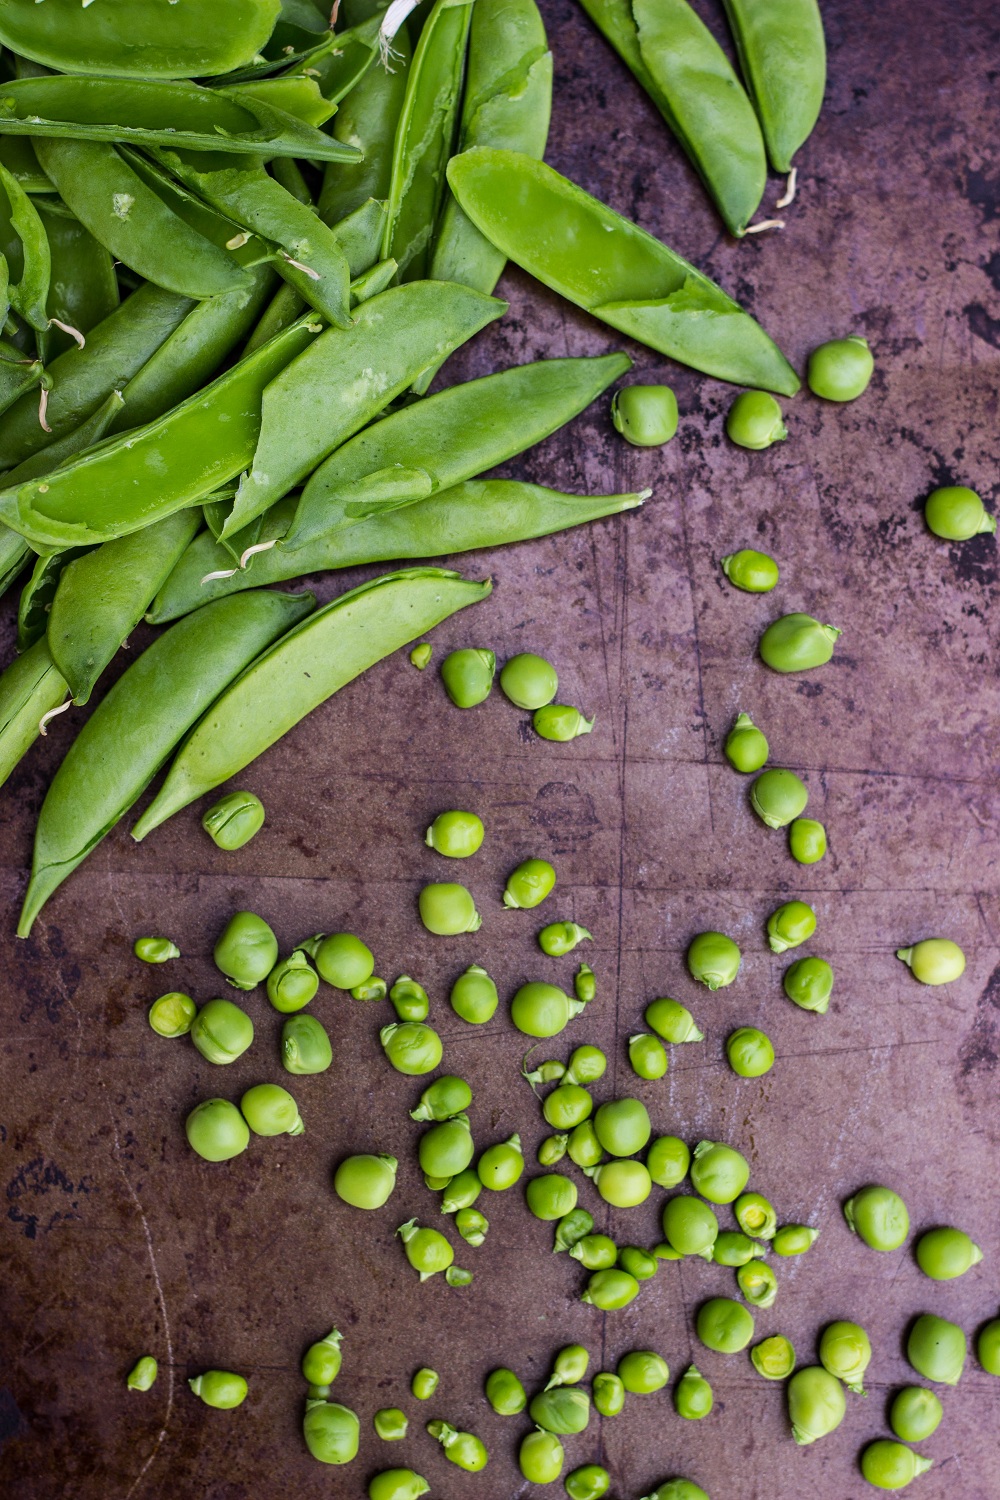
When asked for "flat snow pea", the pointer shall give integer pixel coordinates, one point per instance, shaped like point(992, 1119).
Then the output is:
point(38, 593)
point(83, 288)
point(25, 246)
point(131, 733)
point(104, 594)
point(30, 688)
point(348, 377)
point(77, 440)
point(479, 514)
point(367, 118)
point(192, 450)
point(339, 62)
point(687, 75)
point(782, 53)
point(452, 436)
point(299, 673)
point(139, 38)
point(612, 268)
point(425, 136)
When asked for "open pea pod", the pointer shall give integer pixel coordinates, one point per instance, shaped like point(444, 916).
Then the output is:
point(782, 53)
point(478, 514)
point(348, 377)
point(691, 81)
point(15, 554)
point(30, 689)
point(137, 724)
point(452, 436)
point(192, 450)
point(87, 435)
point(367, 118)
point(613, 269)
point(83, 288)
point(301, 671)
point(340, 61)
point(139, 38)
point(25, 247)
point(38, 593)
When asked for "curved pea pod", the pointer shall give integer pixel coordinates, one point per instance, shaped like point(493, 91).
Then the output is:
point(339, 62)
point(687, 75)
point(83, 288)
point(192, 450)
point(304, 669)
point(30, 688)
point(132, 732)
point(782, 53)
point(424, 137)
point(479, 514)
point(139, 38)
point(367, 118)
point(38, 593)
point(78, 440)
point(613, 269)
point(25, 247)
point(348, 377)
point(14, 557)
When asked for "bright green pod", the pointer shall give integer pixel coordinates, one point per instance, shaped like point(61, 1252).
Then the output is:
point(816, 1404)
point(892, 1466)
point(672, 1021)
point(754, 421)
point(233, 821)
point(220, 1388)
point(790, 926)
point(463, 1449)
point(365, 1181)
point(934, 960)
point(718, 1172)
point(693, 1397)
point(797, 643)
point(845, 1350)
point(840, 369)
point(774, 1358)
point(782, 55)
point(778, 797)
point(172, 1014)
point(474, 996)
point(806, 840)
point(270, 1110)
point(366, 117)
point(305, 1046)
point(713, 959)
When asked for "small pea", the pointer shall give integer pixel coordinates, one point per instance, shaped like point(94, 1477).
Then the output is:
point(427, 1250)
point(608, 1394)
point(457, 835)
point(529, 681)
point(247, 950)
point(816, 1404)
point(623, 1184)
point(567, 1106)
point(468, 676)
point(365, 1181)
point(754, 421)
point(585, 984)
point(373, 989)
point(590, 1482)
point(474, 996)
point(797, 643)
point(758, 1284)
point(447, 909)
point(672, 1021)
point(845, 1350)
point(956, 513)
point(542, 1010)
point(622, 1126)
point(756, 1216)
point(292, 983)
point(411, 1047)
point(840, 369)
point(446, 1149)
point(693, 1397)
point(472, 1225)
point(322, 1360)
point(806, 840)
point(305, 1046)
point(446, 1097)
point(645, 415)
point(750, 1052)
point(529, 884)
point(587, 1064)
point(342, 959)
point(505, 1393)
point(234, 820)
point(500, 1166)
point(718, 1172)
point(641, 1264)
point(790, 926)
point(774, 1358)
point(943, 1254)
point(610, 1290)
point(647, 1055)
point(724, 1325)
point(540, 1457)
point(172, 1014)
point(569, 1366)
point(221, 1032)
point(571, 1229)
point(891, 1466)
point(560, 722)
point(551, 1196)
point(552, 1150)
point(915, 1414)
point(713, 959)
point(642, 1372)
point(878, 1216)
point(331, 1433)
point(753, 572)
point(777, 797)
point(583, 1147)
point(220, 1388)
point(409, 999)
point(421, 655)
point(934, 961)
point(547, 1072)
point(424, 1383)
point(988, 1347)
point(155, 950)
point(560, 938)
point(143, 1374)
point(270, 1110)
point(461, 1192)
point(390, 1424)
point(668, 1160)
point(794, 1239)
point(733, 1248)
point(690, 1226)
point(808, 982)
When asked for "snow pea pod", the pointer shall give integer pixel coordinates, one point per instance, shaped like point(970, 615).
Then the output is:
point(30, 688)
point(452, 436)
point(83, 288)
point(25, 247)
point(301, 671)
point(135, 727)
point(19, 373)
point(466, 518)
point(192, 450)
point(687, 75)
point(77, 440)
point(38, 593)
point(782, 53)
point(297, 97)
point(339, 63)
point(424, 137)
point(18, 156)
point(367, 119)
point(613, 269)
point(348, 377)
point(139, 38)
point(14, 557)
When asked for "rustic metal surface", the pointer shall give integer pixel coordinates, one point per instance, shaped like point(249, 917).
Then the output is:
point(118, 1241)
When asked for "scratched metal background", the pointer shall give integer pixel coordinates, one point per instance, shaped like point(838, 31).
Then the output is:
point(116, 1240)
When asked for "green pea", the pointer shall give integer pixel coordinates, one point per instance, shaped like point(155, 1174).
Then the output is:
point(693, 1396)
point(292, 983)
point(718, 1172)
point(143, 1374)
point(542, 1010)
point(472, 1226)
point(468, 676)
point(421, 655)
point(342, 959)
point(441, 1100)
point(322, 1360)
point(754, 573)
point(797, 643)
point(642, 1372)
point(568, 1105)
point(463, 1449)
point(878, 1216)
point(562, 937)
point(501, 1166)
point(746, 746)
point(305, 1046)
point(713, 959)
point(411, 1047)
point(806, 840)
point(750, 1052)
point(678, 1489)
point(623, 1184)
point(622, 1126)
point(845, 1351)
point(560, 722)
point(583, 1147)
point(155, 950)
point(595, 1252)
point(390, 1424)
point(809, 983)
point(552, 1150)
point(724, 1325)
point(641, 1264)
point(172, 1014)
point(690, 1226)
point(934, 961)
point(778, 797)
point(647, 1055)
point(427, 1250)
point(446, 1148)
point(551, 1196)
point(409, 999)
point(988, 1347)
point(755, 1216)
point(505, 1393)
point(587, 1064)
point(645, 415)
point(584, 984)
point(915, 1414)
point(733, 1248)
point(365, 1181)
point(790, 926)
point(270, 1110)
point(234, 820)
point(529, 681)
point(936, 1349)
point(608, 1394)
point(957, 513)
point(758, 1284)
point(668, 1160)
point(474, 996)
point(547, 1072)
point(331, 1431)
point(816, 1404)
point(943, 1254)
point(220, 1388)
point(540, 1457)
point(247, 951)
point(891, 1466)
point(221, 1031)
point(435, 1184)
point(458, 835)
point(754, 421)
point(794, 1239)
point(462, 1191)
point(774, 1358)
point(529, 884)
point(672, 1021)
point(610, 1290)
point(841, 369)
point(568, 1368)
point(572, 1228)
point(448, 909)
point(424, 1383)
point(370, 989)
point(589, 1482)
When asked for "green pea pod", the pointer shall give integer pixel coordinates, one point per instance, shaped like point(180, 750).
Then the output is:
point(341, 60)
point(368, 118)
point(472, 516)
point(138, 38)
point(305, 668)
point(687, 75)
point(83, 289)
point(38, 593)
point(132, 732)
point(30, 688)
point(613, 269)
point(103, 594)
point(782, 53)
point(78, 440)
point(425, 136)
point(329, 392)
point(124, 214)
point(222, 230)
point(192, 450)
point(450, 437)
point(25, 246)
point(81, 379)
point(15, 555)
point(295, 95)
point(19, 373)
point(18, 155)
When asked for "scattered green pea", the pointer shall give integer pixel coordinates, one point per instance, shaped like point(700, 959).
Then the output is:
point(816, 1404)
point(424, 1383)
point(755, 1216)
point(641, 1264)
point(551, 1196)
point(436, 1184)
point(234, 819)
point(463, 1449)
point(753, 572)
point(724, 1325)
point(806, 840)
point(595, 1252)
point(610, 1290)
point(542, 1010)
point(305, 1046)
point(797, 643)
point(840, 369)
point(573, 1226)
point(365, 1181)
point(891, 1466)
point(878, 1216)
point(934, 960)
point(155, 950)
point(292, 983)
point(754, 421)
point(790, 926)
point(505, 1393)
point(672, 1021)
point(568, 1368)
point(642, 1372)
point(677, 1489)
point(746, 746)
point(718, 1172)
point(587, 1064)
point(540, 1457)
point(342, 959)
point(622, 1126)
point(845, 1350)
point(623, 1184)
point(390, 1424)
point(547, 1072)
point(750, 1052)
point(774, 1358)
point(690, 1226)
point(446, 1148)
point(441, 1100)
point(447, 909)
point(501, 1166)
point(529, 884)
point(809, 983)
point(143, 1374)
point(331, 1431)
point(172, 1014)
point(647, 1055)
point(270, 1110)
point(561, 722)
point(220, 1388)
point(584, 984)
point(943, 1254)
point(221, 1031)
point(373, 989)
point(778, 797)
point(794, 1239)
point(589, 1482)
point(693, 1397)
point(409, 999)
point(567, 1106)
point(474, 996)
point(457, 835)
point(645, 415)
point(411, 1047)
point(247, 951)
point(472, 1225)
point(988, 1347)
point(713, 959)
point(936, 1349)
point(421, 655)
point(427, 1250)
point(608, 1394)
point(956, 513)
point(529, 681)
point(562, 937)
point(552, 1150)
point(668, 1160)
point(468, 676)
point(462, 1191)
point(733, 1248)
point(915, 1414)
point(758, 1284)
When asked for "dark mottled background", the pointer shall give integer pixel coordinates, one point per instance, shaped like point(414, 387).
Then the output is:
point(118, 1241)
